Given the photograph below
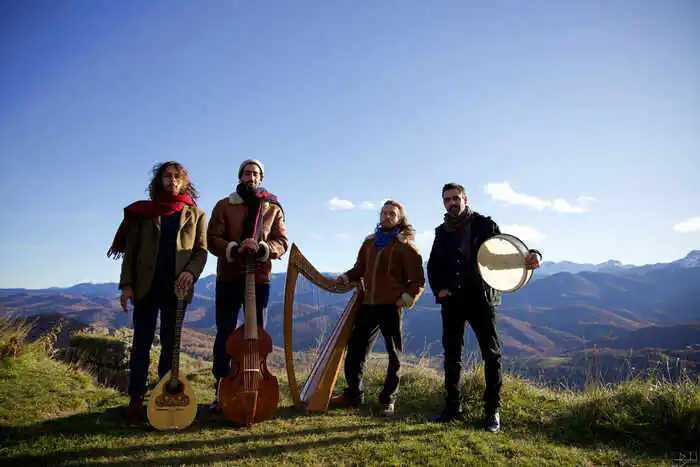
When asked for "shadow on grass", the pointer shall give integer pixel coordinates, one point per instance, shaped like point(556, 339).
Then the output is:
point(108, 424)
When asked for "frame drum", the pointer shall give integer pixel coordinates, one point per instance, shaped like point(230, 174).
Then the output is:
point(501, 262)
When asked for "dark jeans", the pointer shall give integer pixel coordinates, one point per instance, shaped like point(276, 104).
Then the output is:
point(370, 320)
point(145, 318)
point(229, 300)
point(456, 312)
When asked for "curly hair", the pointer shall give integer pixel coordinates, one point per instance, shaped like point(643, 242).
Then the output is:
point(403, 223)
point(156, 186)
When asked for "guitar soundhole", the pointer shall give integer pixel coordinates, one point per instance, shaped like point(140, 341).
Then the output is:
point(172, 400)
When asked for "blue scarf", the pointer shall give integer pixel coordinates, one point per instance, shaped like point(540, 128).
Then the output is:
point(382, 239)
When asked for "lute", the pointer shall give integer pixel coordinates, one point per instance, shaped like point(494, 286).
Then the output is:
point(173, 405)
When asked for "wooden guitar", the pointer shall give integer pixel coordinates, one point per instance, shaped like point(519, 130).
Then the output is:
point(173, 405)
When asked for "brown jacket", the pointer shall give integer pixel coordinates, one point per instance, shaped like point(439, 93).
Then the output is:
point(393, 273)
point(141, 252)
point(225, 233)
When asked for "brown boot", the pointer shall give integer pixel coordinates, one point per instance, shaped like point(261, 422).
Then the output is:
point(133, 413)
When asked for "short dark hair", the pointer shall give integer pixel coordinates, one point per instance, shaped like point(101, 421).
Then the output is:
point(454, 186)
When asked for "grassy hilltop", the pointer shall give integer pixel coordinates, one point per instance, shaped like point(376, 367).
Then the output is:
point(52, 413)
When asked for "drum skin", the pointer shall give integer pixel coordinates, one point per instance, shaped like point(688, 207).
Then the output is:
point(501, 263)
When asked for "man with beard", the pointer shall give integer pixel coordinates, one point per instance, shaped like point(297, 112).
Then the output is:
point(392, 270)
point(464, 297)
point(164, 246)
point(231, 236)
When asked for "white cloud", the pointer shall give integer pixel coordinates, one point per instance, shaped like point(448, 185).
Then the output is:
point(503, 192)
point(526, 234)
point(342, 236)
point(560, 205)
point(336, 204)
point(368, 206)
point(688, 226)
point(424, 242)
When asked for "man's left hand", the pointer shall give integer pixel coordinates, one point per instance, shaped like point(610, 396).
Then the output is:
point(184, 282)
point(532, 260)
point(248, 245)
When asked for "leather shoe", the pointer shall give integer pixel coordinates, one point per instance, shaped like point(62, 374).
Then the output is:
point(493, 421)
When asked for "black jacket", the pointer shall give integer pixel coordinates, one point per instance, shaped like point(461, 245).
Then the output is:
point(452, 268)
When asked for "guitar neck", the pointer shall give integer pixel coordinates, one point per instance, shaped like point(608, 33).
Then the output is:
point(180, 316)
point(250, 309)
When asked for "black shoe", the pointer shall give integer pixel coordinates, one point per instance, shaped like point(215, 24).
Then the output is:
point(493, 421)
point(448, 414)
point(344, 401)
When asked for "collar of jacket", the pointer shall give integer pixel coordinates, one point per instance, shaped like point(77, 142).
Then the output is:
point(235, 198)
point(402, 236)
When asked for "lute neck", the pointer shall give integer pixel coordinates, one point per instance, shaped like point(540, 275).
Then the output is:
point(180, 315)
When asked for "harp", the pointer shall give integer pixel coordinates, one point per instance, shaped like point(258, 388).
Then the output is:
point(315, 393)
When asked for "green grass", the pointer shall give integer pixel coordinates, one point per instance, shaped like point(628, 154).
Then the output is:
point(51, 413)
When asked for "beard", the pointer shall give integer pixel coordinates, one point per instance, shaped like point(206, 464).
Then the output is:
point(453, 210)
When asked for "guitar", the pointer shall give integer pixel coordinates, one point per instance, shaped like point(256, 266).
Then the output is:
point(249, 393)
point(173, 405)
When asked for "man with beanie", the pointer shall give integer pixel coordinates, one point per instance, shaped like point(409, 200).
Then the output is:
point(164, 247)
point(455, 281)
point(248, 221)
point(392, 271)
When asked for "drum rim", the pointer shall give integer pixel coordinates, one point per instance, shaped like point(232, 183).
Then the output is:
point(522, 249)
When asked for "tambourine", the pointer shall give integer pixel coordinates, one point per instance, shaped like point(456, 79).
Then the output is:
point(501, 261)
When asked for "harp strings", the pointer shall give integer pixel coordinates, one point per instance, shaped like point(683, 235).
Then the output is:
point(317, 308)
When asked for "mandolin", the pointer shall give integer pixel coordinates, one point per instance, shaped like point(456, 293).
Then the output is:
point(172, 405)
point(249, 393)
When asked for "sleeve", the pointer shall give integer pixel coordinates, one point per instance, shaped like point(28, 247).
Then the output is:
point(277, 242)
point(127, 278)
point(216, 240)
point(435, 279)
point(413, 264)
point(198, 259)
point(358, 270)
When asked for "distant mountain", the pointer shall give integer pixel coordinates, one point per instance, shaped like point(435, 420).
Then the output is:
point(558, 312)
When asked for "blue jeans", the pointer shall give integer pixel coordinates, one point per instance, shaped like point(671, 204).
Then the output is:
point(145, 318)
point(229, 300)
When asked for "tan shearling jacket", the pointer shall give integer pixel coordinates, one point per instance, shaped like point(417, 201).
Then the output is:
point(392, 273)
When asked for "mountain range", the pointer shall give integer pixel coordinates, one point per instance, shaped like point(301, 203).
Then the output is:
point(566, 307)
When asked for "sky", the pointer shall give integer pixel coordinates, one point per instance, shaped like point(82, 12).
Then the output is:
point(574, 125)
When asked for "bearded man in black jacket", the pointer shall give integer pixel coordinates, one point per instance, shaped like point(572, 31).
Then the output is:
point(464, 297)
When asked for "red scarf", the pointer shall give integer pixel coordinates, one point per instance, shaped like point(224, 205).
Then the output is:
point(165, 205)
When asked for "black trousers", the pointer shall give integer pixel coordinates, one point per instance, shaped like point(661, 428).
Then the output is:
point(145, 318)
point(371, 319)
point(456, 312)
point(229, 300)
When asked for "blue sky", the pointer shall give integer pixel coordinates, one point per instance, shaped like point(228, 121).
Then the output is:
point(573, 124)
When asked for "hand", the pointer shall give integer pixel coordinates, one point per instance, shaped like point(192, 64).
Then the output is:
point(444, 293)
point(127, 294)
point(400, 303)
point(532, 260)
point(183, 283)
point(248, 246)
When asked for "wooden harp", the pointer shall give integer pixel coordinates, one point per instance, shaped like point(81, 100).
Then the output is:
point(315, 393)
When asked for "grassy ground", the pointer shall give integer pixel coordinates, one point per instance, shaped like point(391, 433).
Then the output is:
point(53, 414)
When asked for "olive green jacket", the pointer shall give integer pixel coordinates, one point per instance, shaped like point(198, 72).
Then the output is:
point(141, 252)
